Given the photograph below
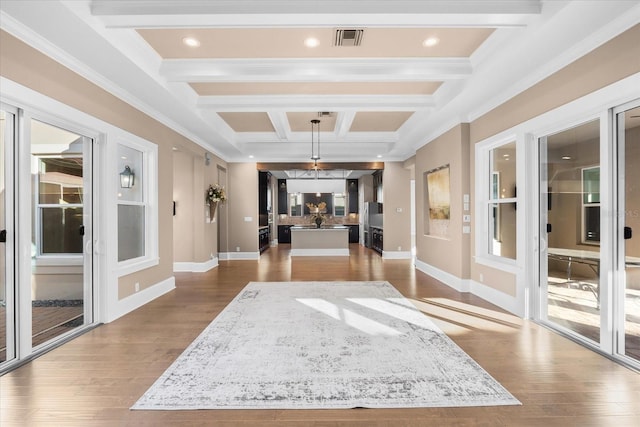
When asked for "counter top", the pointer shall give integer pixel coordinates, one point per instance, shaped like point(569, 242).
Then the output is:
point(314, 228)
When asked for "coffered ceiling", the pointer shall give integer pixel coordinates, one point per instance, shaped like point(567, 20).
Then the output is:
point(243, 78)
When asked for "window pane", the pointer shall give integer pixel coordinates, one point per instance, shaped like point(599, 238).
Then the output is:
point(60, 180)
point(131, 228)
point(502, 236)
point(295, 202)
point(592, 223)
point(61, 230)
point(130, 169)
point(339, 204)
point(591, 185)
point(503, 171)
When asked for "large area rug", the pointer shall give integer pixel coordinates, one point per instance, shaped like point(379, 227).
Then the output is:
point(307, 345)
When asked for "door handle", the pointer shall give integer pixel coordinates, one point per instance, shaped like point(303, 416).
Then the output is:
point(81, 230)
point(628, 232)
point(3, 236)
point(549, 228)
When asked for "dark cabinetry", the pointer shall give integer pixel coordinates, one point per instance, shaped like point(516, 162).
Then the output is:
point(352, 193)
point(283, 208)
point(264, 236)
point(377, 239)
point(264, 204)
point(284, 233)
point(354, 233)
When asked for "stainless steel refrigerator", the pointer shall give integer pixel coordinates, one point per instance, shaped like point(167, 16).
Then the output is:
point(372, 218)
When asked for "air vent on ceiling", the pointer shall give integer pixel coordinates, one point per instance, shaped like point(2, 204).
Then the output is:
point(325, 114)
point(348, 37)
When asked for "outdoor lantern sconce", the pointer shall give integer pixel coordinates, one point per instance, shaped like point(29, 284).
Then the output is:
point(127, 177)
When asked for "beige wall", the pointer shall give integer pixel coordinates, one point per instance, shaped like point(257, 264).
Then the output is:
point(28, 67)
point(451, 253)
point(243, 183)
point(397, 195)
point(613, 61)
point(195, 236)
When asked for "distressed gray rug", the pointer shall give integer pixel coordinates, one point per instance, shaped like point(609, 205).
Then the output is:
point(309, 345)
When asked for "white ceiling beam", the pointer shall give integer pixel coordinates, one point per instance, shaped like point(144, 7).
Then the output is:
point(280, 124)
point(316, 103)
point(283, 13)
point(343, 123)
point(314, 70)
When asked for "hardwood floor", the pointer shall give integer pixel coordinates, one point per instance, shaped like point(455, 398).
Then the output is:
point(94, 379)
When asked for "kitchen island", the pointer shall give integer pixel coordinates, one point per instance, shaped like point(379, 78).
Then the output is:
point(324, 241)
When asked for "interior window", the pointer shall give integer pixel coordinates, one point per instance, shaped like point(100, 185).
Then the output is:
point(339, 202)
point(502, 201)
point(136, 177)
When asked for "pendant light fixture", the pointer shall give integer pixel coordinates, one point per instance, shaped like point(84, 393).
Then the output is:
point(315, 141)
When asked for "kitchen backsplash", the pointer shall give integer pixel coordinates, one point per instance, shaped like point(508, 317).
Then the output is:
point(330, 219)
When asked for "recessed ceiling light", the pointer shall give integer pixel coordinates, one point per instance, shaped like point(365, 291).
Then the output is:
point(379, 156)
point(311, 42)
point(566, 157)
point(123, 157)
point(251, 156)
point(191, 41)
point(431, 41)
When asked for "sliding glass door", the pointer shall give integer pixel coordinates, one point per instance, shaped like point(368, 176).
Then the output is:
point(61, 245)
point(627, 294)
point(46, 244)
point(589, 210)
point(570, 229)
point(7, 289)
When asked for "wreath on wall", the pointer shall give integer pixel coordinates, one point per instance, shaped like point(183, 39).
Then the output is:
point(215, 193)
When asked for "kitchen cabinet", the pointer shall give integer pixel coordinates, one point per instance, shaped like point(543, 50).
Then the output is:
point(264, 237)
point(264, 205)
point(352, 195)
point(377, 239)
point(283, 208)
point(354, 233)
point(284, 233)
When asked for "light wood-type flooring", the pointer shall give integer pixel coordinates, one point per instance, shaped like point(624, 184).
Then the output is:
point(94, 379)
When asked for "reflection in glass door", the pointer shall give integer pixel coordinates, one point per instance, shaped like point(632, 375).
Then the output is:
point(60, 242)
point(570, 230)
point(628, 263)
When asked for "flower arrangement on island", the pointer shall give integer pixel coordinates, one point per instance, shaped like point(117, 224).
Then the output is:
point(216, 193)
point(316, 212)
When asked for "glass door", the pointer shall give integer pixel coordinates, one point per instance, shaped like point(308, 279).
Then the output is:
point(7, 289)
point(627, 294)
point(570, 230)
point(61, 244)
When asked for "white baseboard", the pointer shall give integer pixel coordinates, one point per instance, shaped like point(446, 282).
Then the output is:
point(195, 267)
point(502, 300)
point(487, 293)
point(448, 279)
point(396, 254)
point(141, 298)
point(319, 252)
point(229, 256)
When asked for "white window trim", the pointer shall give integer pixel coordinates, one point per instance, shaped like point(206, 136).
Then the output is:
point(150, 201)
point(484, 198)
